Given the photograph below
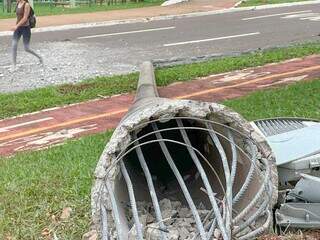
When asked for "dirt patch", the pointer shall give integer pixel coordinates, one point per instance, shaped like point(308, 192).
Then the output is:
point(298, 235)
point(75, 89)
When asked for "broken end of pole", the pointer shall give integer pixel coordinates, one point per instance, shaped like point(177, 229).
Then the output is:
point(147, 87)
point(165, 151)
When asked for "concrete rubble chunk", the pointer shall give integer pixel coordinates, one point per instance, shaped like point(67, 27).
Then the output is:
point(217, 233)
point(165, 205)
point(184, 212)
point(179, 226)
point(183, 233)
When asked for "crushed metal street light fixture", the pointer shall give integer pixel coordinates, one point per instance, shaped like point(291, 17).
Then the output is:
point(296, 145)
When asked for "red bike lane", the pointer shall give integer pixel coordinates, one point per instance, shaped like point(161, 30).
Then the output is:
point(53, 126)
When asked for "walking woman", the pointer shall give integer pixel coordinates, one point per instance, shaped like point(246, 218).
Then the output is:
point(22, 28)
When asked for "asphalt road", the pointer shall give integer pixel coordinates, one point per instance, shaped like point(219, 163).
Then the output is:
point(156, 36)
point(121, 48)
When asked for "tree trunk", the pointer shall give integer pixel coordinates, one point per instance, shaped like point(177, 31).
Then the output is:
point(7, 5)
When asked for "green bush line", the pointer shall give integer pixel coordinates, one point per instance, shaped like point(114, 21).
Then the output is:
point(249, 3)
point(45, 9)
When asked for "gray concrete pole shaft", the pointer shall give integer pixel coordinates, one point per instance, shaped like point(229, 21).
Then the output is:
point(147, 87)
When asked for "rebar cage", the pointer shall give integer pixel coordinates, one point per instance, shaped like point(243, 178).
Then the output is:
point(206, 167)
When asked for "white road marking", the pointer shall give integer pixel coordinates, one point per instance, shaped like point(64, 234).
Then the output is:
point(301, 15)
point(276, 14)
point(285, 80)
point(130, 32)
point(5, 129)
point(47, 139)
point(211, 39)
point(314, 18)
point(304, 16)
point(242, 74)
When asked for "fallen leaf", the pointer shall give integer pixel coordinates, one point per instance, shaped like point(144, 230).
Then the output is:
point(53, 218)
point(92, 235)
point(66, 213)
point(8, 237)
point(45, 232)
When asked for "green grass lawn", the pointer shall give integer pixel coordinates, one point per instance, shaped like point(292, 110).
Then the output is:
point(45, 9)
point(248, 3)
point(36, 186)
point(34, 100)
point(298, 100)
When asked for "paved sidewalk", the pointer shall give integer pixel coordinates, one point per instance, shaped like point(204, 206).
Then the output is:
point(146, 12)
point(42, 129)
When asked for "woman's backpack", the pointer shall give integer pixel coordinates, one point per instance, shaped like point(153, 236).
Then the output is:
point(32, 18)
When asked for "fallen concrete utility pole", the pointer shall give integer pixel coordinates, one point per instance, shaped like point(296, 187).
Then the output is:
point(182, 169)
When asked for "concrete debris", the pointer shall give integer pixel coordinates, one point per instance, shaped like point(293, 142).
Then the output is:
point(217, 234)
point(179, 221)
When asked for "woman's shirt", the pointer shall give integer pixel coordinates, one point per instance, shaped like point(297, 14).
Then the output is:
point(20, 13)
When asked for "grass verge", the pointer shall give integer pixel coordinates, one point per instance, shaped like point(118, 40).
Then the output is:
point(248, 3)
point(36, 186)
point(28, 101)
point(45, 9)
point(297, 100)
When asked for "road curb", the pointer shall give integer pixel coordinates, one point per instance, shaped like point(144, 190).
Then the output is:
point(172, 2)
point(238, 3)
point(170, 62)
point(279, 5)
